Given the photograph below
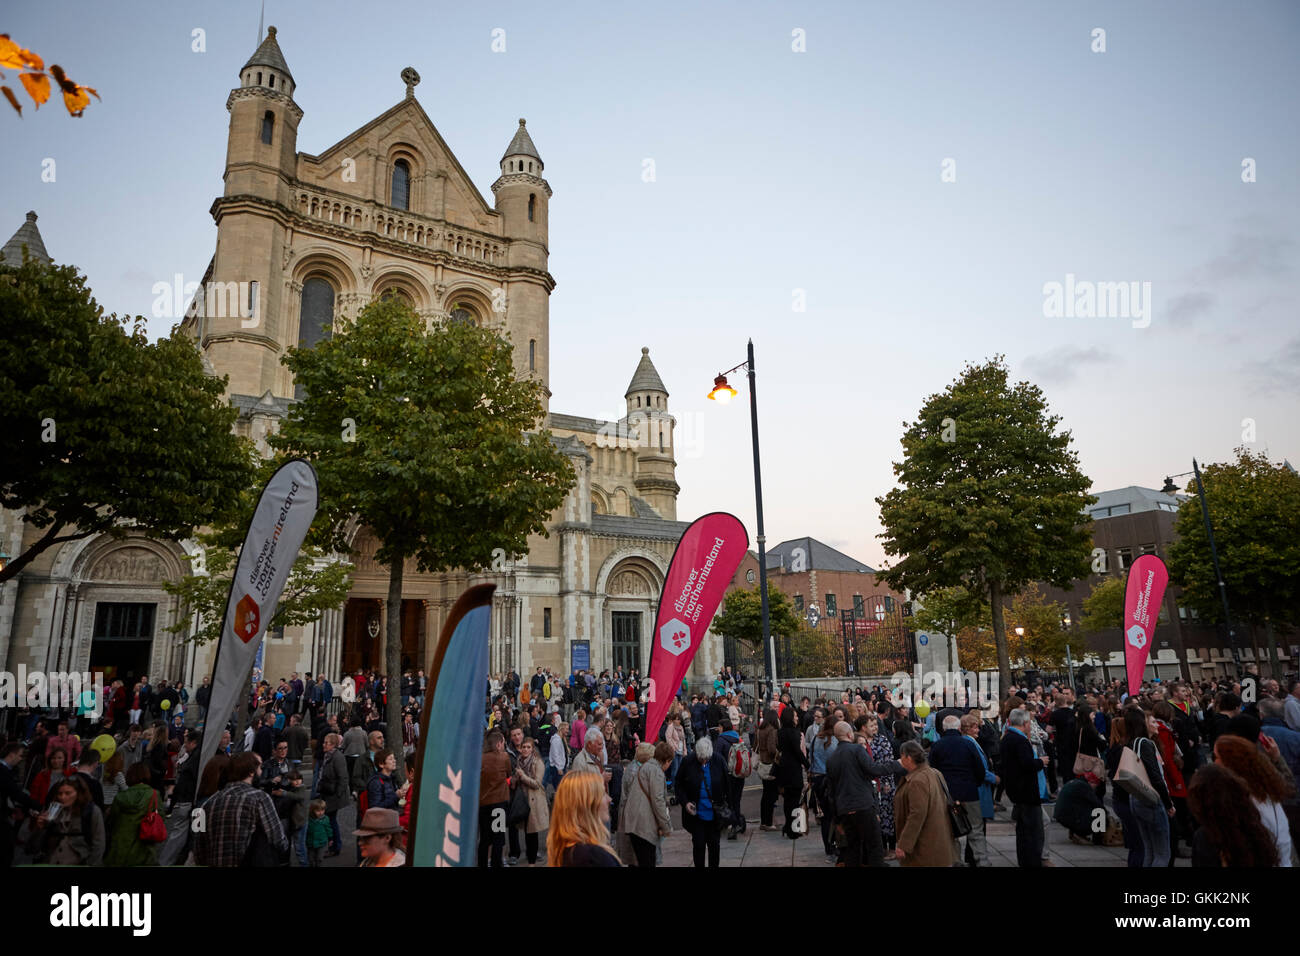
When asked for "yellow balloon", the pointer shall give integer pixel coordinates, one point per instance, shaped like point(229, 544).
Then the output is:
point(105, 746)
point(922, 709)
point(166, 705)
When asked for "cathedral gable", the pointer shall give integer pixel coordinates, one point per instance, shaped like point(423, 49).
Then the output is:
point(362, 165)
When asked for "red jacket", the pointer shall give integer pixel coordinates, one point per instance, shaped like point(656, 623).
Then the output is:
point(1173, 776)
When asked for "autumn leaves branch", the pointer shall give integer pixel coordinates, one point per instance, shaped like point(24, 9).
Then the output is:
point(36, 80)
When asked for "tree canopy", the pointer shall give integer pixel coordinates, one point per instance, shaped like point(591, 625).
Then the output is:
point(956, 613)
point(1104, 607)
point(317, 581)
point(426, 437)
point(102, 431)
point(1254, 505)
point(990, 496)
point(741, 619)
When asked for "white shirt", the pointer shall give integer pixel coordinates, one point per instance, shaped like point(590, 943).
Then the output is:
point(1275, 822)
point(557, 757)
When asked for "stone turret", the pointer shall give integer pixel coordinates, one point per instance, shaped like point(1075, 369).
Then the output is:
point(648, 418)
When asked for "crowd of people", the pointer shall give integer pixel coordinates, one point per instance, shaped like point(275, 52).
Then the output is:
point(569, 778)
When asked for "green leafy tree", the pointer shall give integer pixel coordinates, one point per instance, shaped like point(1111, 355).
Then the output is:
point(316, 583)
point(1042, 645)
point(952, 611)
point(990, 496)
point(1104, 607)
point(741, 617)
point(976, 649)
point(1254, 504)
point(102, 431)
point(427, 438)
point(815, 653)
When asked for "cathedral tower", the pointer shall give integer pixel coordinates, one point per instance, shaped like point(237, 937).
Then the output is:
point(242, 328)
point(523, 200)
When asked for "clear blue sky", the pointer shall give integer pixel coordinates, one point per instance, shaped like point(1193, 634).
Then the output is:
point(776, 171)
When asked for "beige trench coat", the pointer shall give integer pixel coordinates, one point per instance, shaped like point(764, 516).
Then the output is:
point(530, 778)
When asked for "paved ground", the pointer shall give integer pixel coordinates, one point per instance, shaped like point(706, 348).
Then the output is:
point(773, 849)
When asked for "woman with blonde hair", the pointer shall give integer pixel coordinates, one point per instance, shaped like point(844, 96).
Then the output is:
point(578, 836)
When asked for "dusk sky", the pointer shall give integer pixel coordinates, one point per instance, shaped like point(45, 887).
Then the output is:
point(779, 177)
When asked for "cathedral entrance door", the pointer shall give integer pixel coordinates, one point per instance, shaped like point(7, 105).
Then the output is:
point(122, 640)
point(627, 640)
point(363, 639)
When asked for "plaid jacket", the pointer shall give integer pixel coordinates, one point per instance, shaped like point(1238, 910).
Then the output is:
point(232, 816)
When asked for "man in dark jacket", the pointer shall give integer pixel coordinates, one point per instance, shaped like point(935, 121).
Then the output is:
point(883, 712)
point(957, 757)
point(713, 715)
point(12, 797)
point(202, 696)
point(699, 716)
point(1066, 735)
point(297, 738)
point(187, 784)
point(849, 774)
point(1020, 776)
point(264, 739)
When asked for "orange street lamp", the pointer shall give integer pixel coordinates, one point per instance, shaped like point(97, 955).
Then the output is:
point(722, 392)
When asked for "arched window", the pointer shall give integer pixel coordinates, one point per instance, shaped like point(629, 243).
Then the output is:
point(316, 317)
point(268, 125)
point(638, 401)
point(462, 314)
point(532, 205)
point(393, 292)
point(401, 197)
point(532, 355)
point(272, 81)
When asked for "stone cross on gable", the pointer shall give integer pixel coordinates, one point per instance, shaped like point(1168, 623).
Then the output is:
point(411, 79)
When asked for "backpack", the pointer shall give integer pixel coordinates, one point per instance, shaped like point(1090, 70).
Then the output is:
point(740, 760)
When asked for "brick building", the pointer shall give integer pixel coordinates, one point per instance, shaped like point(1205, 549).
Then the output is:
point(839, 595)
point(1127, 523)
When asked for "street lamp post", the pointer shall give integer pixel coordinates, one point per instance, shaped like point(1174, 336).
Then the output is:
point(723, 392)
point(1169, 489)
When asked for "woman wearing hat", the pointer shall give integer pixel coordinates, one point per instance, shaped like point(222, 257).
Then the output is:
point(380, 836)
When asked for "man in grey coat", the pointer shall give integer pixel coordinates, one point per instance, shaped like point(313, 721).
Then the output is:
point(334, 788)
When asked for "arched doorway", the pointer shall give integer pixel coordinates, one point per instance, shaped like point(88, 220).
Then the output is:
point(632, 591)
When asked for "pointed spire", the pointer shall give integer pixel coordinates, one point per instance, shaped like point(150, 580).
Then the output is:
point(268, 54)
point(27, 235)
point(646, 378)
point(522, 144)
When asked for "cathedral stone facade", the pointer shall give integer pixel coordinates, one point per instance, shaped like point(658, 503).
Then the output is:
point(303, 242)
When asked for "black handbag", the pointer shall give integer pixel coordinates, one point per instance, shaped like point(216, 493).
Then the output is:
point(519, 808)
point(956, 815)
